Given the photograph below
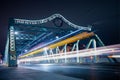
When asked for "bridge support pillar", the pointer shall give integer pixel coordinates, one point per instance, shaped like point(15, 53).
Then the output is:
point(95, 58)
point(77, 49)
point(94, 46)
point(65, 53)
point(12, 57)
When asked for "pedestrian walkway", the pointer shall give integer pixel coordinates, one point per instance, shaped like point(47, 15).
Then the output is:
point(19, 73)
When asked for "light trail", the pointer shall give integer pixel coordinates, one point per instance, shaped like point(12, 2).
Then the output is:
point(56, 40)
point(108, 50)
point(51, 42)
point(61, 43)
point(114, 56)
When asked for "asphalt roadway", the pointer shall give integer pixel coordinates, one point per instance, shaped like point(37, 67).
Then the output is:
point(20, 73)
point(104, 71)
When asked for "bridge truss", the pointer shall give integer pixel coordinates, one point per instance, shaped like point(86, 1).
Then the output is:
point(47, 38)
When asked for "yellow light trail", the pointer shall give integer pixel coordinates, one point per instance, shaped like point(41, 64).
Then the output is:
point(61, 43)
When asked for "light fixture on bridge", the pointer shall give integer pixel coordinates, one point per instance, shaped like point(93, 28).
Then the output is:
point(16, 33)
point(26, 50)
point(57, 37)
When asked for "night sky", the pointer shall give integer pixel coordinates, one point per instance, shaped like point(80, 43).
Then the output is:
point(103, 15)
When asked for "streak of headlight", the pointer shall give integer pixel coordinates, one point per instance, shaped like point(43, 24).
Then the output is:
point(81, 53)
point(114, 56)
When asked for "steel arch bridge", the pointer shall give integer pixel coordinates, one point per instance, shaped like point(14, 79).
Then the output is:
point(52, 36)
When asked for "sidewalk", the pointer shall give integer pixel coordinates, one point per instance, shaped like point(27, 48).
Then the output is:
point(18, 73)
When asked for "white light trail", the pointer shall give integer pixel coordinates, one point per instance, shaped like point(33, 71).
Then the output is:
point(114, 56)
point(81, 53)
